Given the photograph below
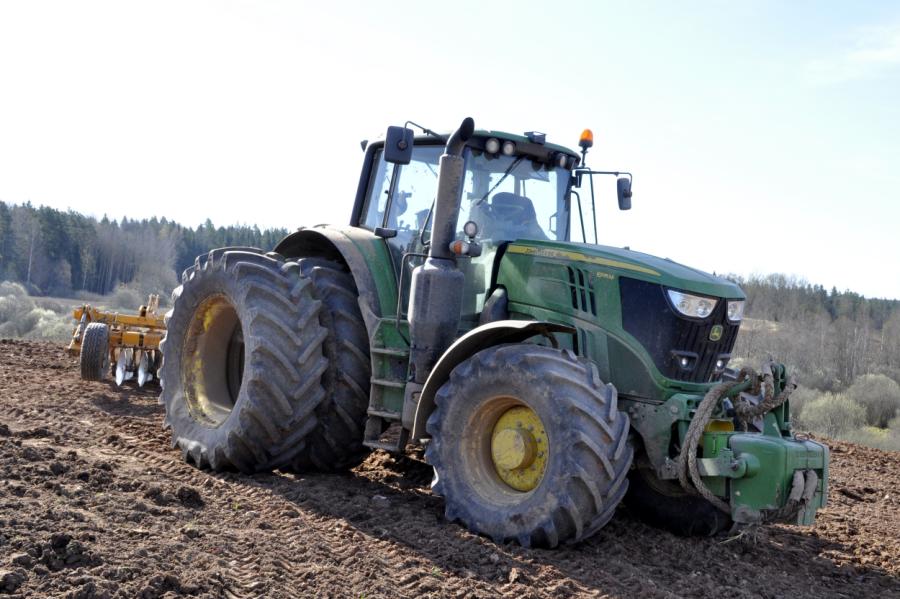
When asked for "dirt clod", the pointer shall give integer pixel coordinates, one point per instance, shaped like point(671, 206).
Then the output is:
point(95, 504)
point(12, 580)
point(189, 497)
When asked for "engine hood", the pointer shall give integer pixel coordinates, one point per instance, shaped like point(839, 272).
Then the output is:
point(637, 265)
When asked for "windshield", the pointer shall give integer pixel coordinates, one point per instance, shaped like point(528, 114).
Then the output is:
point(508, 197)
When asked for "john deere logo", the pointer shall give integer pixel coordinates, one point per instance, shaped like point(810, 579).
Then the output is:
point(716, 333)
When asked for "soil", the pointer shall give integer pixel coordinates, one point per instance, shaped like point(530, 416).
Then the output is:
point(95, 503)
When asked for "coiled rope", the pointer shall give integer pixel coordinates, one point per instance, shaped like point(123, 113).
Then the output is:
point(749, 380)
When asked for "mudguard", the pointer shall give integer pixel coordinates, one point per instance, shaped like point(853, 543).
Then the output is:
point(488, 335)
point(357, 249)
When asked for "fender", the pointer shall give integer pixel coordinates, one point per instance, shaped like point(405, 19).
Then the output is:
point(358, 249)
point(488, 335)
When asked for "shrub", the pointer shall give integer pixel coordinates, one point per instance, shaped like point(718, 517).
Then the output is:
point(49, 326)
point(880, 396)
point(125, 298)
point(21, 317)
point(879, 438)
point(833, 415)
point(801, 396)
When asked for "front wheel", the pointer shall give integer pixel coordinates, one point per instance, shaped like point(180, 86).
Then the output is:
point(664, 504)
point(527, 444)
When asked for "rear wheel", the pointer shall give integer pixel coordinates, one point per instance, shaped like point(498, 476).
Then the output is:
point(94, 351)
point(336, 443)
point(242, 361)
point(664, 504)
point(527, 444)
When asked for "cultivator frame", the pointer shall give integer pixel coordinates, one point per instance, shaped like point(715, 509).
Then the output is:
point(130, 342)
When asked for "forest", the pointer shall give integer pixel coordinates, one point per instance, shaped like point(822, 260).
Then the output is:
point(55, 253)
point(842, 348)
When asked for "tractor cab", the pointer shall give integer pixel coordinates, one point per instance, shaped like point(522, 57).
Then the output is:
point(514, 187)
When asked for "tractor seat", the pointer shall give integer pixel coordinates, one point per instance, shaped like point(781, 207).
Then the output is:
point(512, 217)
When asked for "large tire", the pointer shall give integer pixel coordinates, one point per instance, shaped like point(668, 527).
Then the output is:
point(664, 504)
point(242, 362)
point(585, 474)
point(336, 443)
point(94, 351)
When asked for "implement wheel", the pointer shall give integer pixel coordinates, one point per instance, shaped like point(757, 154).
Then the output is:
point(664, 504)
point(94, 351)
point(527, 445)
point(336, 444)
point(242, 361)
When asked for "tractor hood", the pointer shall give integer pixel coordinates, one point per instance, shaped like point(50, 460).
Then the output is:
point(637, 265)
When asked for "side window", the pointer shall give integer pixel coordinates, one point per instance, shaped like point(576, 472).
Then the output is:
point(416, 190)
point(377, 195)
point(414, 193)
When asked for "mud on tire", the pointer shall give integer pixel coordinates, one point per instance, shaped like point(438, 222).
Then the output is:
point(585, 476)
point(336, 443)
point(94, 351)
point(242, 361)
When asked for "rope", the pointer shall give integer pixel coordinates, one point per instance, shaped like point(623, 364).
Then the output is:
point(688, 462)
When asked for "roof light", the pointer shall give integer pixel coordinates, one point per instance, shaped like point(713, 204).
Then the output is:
point(509, 148)
point(587, 139)
point(492, 145)
point(561, 160)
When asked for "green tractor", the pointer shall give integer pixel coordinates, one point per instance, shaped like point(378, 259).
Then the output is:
point(465, 311)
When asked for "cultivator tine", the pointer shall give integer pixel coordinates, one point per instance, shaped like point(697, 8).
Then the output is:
point(124, 367)
point(144, 375)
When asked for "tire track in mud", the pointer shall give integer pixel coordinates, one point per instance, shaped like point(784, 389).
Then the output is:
point(378, 532)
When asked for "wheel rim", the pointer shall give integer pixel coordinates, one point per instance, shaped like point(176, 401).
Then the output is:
point(210, 384)
point(519, 448)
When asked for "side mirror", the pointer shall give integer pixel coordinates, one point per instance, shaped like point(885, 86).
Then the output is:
point(623, 187)
point(398, 146)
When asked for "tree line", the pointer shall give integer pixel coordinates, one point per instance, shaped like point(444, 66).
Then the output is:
point(828, 338)
point(58, 253)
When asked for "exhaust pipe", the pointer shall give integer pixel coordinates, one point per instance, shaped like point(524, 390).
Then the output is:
point(435, 298)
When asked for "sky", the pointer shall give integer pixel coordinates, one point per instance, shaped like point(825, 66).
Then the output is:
point(763, 136)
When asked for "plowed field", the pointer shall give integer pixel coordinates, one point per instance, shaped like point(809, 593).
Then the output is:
point(95, 503)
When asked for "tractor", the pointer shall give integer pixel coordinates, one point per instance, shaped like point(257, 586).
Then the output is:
point(468, 311)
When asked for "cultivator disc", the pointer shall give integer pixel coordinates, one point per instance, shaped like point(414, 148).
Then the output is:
point(135, 364)
point(143, 374)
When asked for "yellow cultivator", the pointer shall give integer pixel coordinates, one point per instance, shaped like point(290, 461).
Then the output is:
point(129, 341)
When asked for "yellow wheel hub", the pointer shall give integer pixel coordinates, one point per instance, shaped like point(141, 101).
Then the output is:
point(519, 448)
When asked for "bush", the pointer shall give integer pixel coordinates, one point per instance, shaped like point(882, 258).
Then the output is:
point(125, 298)
point(880, 396)
point(21, 317)
point(833, 415)
point(50, 326)
point(15, 310)
point(879, 438)
point(801, 396)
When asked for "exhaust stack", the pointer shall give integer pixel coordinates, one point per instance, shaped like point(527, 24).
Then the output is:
point(435, 299)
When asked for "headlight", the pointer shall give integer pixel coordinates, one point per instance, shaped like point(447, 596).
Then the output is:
point(693, 306)
point(735, 310)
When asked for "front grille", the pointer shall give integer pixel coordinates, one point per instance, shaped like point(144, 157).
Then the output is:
point(667, 336)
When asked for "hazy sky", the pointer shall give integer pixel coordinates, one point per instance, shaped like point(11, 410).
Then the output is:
point(764, 137)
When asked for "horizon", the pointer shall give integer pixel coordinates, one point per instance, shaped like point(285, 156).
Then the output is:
point(762, 138)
